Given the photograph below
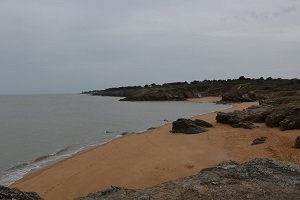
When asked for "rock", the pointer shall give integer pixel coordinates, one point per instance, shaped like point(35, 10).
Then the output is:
point(234, 119)
point(286, 118)
point(259, 140)
point(244, 118)
point(228, 118)
point(237, 96)
point(203, 123)
point(245, 125)
point(187, 126)
point(297, 143)
point(10, 194)
point(259, 179)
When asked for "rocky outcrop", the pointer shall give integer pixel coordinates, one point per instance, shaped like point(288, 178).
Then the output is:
point(286, 117)
point(189, 126)
point(240, 97)
point(15, 194)
point(236, 119)
point(259, 179)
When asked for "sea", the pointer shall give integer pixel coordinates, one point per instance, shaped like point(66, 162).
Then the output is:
point(39, 130)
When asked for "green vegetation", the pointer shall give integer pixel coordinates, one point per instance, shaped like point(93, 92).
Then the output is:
point(232, 90)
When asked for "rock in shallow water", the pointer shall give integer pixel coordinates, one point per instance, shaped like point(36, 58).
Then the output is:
point(257, 179)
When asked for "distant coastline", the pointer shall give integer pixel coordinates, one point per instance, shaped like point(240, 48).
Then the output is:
point(232, 90)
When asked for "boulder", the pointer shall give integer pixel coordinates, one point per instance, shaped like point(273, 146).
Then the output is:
point(8, 193)
point(203, 123)
point(187, 126)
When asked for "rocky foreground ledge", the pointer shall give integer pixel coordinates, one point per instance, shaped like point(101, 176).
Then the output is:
point(256, 179)
point(15, 194)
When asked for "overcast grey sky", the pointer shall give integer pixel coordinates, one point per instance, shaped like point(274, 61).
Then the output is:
point(57, 46)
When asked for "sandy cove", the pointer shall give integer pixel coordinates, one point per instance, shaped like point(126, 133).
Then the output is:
point(155, 156)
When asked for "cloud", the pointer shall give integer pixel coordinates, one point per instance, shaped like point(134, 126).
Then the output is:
point(74, 45)
point(274, 14)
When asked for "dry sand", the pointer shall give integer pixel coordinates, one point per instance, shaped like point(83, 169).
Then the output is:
point(142, 160)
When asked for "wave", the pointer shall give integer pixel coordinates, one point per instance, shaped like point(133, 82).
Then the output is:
point(66, 149)
point(19, 165)
point(19, 170)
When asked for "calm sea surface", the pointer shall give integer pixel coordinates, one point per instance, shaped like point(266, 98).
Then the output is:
point(36, 130)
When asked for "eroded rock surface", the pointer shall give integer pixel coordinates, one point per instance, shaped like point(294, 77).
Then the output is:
point(257, 179)
point(286, 117)
point(15, 194)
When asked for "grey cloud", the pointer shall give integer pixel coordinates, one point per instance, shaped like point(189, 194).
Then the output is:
point(278, 13)
point(73, 45)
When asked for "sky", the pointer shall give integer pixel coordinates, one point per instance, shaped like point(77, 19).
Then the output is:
point(69, 46)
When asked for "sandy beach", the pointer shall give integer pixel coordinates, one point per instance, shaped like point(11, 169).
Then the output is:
point(155, 156)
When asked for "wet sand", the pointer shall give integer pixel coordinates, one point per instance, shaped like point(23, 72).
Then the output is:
point(155, 156)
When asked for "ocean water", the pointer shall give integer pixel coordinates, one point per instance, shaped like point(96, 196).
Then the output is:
point(37, 130)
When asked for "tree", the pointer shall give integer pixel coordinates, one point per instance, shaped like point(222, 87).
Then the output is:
point(242, 78)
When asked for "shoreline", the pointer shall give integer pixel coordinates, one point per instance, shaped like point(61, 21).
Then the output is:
point(53, 158)
point(144, 159)
point(44, 161)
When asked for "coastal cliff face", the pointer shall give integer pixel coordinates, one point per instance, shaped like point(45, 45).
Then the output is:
point(256, 179)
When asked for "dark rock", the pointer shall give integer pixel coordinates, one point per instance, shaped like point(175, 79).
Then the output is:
point(259, 140)
point(297, 143)
point(10, 194)
point(259, 179)
point(187, 126)
point(239, 97)
point(245, 125)
point(228, 118)
point(244, 118)
point(203, 123)
point(235, 119)
point(285, 117)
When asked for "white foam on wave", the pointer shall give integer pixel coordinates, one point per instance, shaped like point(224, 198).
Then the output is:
point(20, 170)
